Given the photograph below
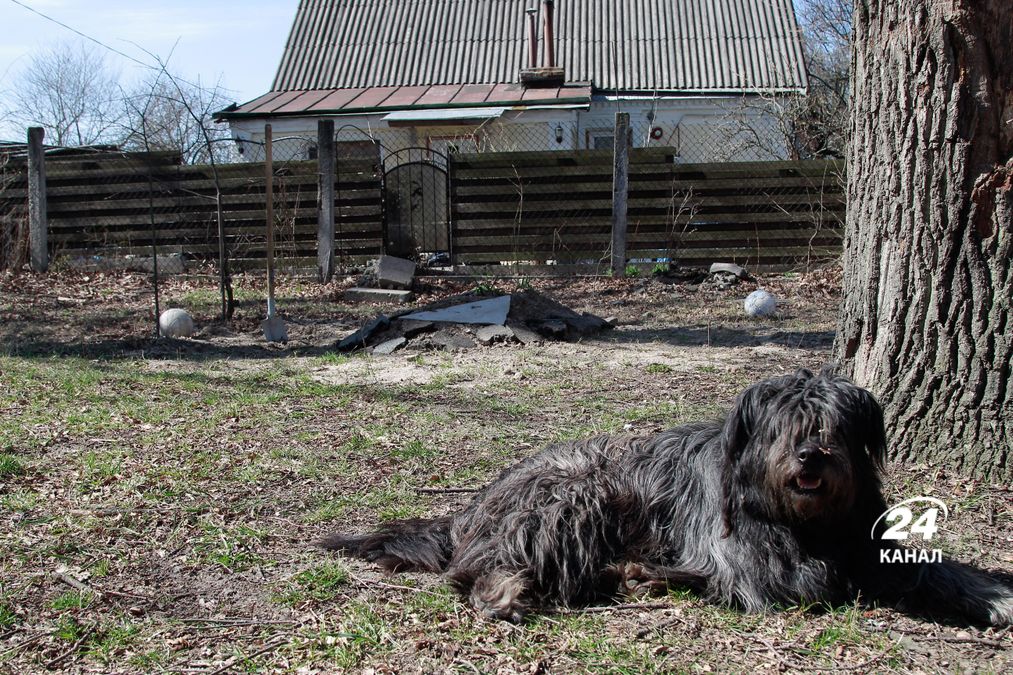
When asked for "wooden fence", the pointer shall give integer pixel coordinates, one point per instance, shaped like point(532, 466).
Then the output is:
point(120, 203)
point(557, 206)
point(506, 207)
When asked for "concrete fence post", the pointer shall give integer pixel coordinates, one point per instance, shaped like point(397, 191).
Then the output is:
point(620, 190)
point(325, 199)
point(38, 228)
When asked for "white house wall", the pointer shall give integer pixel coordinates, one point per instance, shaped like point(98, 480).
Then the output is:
point(699, 129)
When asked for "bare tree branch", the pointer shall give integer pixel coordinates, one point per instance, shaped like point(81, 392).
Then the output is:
point(70, 91)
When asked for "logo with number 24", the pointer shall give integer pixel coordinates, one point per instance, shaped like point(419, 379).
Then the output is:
point(903, 522)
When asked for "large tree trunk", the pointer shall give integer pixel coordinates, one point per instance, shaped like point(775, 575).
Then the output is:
point(927, 269)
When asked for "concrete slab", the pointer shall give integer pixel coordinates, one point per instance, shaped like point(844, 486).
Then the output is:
point(359, 294)
point(729, 268)
point(451, 342)
point(489, 312)
point(410, 328)
point(554, 328)
point(524, 335)
point(394, 272)
point(359, 338)
point(390, 346)
point(487, 335)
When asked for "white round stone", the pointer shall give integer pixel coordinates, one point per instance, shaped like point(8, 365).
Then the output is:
point(760, 304)
point(175, 322)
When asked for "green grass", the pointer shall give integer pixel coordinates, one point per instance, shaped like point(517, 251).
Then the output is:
point(845, 629)
point(204, 462)
point(69, 629)
point(363, 632)
point(228, 547)
point(415, 450)
point(100, 568)
point(391, 501)
point(110, 642)
point(8, 617)
point(72, 600)
point(21, 500)
point(10, 465)
point(317, 584)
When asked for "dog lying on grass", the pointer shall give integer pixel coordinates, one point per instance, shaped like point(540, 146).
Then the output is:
point(778, 504)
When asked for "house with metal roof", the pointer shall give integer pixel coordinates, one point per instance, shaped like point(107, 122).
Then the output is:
point(700, 76)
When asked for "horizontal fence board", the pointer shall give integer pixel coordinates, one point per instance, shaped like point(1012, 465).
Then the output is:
point(197, 233)
point(529, 186)
point(655, 155)
point(564, 218)
point(831, 202)
point(537, 207)
point(104, 204)
point(768, 260)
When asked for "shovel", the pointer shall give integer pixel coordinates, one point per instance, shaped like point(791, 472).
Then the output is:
point(273, 327)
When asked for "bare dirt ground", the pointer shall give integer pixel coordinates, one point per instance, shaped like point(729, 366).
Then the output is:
point(159, 499)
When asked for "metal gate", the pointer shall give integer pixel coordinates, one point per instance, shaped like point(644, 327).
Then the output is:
point(417, 206)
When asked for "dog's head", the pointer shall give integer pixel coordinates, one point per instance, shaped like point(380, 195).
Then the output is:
point(803, 449)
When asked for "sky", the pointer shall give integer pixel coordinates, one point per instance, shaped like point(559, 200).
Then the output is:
point(235, 42)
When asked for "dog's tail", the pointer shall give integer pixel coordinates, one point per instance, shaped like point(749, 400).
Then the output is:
point(399, 546)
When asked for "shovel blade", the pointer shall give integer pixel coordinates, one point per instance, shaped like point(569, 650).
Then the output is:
point(274, 329)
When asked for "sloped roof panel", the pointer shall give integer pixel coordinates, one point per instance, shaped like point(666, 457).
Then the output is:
point(617, 45)
point(358, 100)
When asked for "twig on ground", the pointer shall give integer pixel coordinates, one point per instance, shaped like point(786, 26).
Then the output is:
point(774, 651)
point(865, 664)
point(24, 643)
point(269, 647)
point(644, 632)
point(117, 511)
point(77, 584)
point(73, 649)
point(445, 491)
point(971, 639)
point(598, 609)
point(384, 584)
point(240, 621)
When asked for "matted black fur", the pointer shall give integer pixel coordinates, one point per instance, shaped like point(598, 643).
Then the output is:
point(772, 506)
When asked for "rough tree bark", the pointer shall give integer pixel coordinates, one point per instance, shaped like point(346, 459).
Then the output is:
point(927, 273)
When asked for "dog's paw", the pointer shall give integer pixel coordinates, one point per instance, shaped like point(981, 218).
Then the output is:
point(501, 596)
point(1000, 610)
point(637, 581)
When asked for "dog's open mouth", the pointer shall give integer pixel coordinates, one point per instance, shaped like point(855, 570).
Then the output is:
point(807, 483)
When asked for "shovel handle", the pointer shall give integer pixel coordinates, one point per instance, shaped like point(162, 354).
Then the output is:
point(269, 196)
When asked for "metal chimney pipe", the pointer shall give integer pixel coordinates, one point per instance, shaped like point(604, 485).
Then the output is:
point(532, 37)
point(550, 52)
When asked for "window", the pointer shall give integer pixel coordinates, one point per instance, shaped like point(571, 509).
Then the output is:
point(448, 145)
point(604, 138)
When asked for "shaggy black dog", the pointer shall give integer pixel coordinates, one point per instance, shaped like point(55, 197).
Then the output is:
point(774, 506)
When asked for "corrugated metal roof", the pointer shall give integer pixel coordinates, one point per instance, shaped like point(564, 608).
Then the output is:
point(380, 99)
point(696, 46)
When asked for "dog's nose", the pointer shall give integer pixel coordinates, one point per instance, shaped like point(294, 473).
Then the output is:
point(806, 454)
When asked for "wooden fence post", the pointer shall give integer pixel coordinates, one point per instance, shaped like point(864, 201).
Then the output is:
point(38, 235)
point(620, 189)
point(325, 200)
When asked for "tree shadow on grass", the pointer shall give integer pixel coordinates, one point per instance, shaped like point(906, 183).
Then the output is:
point(720, 336)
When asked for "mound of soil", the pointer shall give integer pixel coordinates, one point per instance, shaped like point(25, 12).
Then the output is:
point(532, 317)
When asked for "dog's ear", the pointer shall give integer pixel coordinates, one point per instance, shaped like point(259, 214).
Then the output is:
point(739, 428)
point(868, 424)
point(740, 425)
